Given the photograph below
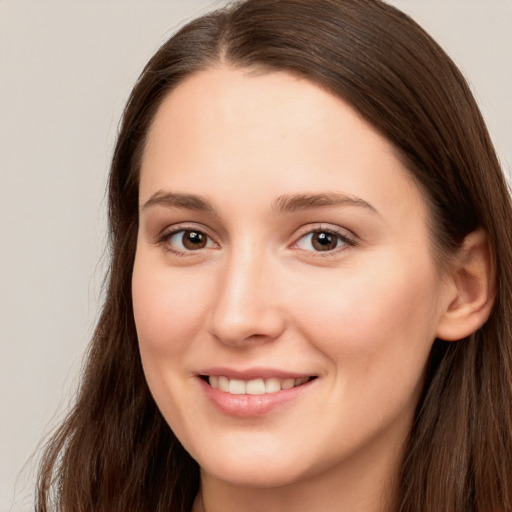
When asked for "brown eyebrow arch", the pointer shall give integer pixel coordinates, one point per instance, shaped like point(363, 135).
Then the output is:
point(172, 199)
point(291, 203)
point(287, 203)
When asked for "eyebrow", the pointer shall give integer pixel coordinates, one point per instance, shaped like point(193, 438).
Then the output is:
point(291, 203)
point(172, 199)
point(287, 203)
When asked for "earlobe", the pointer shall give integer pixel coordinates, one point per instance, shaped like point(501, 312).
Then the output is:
point(472, 281)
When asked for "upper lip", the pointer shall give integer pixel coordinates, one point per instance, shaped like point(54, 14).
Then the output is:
point(253, 373)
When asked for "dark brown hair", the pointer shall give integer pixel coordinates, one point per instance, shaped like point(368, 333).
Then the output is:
point(115, 452)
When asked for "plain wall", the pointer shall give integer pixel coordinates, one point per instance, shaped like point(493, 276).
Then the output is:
point(66, 68)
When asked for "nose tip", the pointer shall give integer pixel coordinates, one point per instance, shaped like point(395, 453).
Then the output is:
point(242, 331)
point(246, 309)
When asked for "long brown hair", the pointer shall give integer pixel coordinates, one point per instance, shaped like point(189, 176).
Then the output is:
point(115, 452)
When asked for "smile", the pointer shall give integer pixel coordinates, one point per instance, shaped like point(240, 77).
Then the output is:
point(258, 386)
point(253, 393)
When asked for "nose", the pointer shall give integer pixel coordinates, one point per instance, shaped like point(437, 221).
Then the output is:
point(246, 309)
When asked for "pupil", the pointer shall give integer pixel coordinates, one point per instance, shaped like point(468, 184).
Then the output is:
point(194, 240)
point(324, 242)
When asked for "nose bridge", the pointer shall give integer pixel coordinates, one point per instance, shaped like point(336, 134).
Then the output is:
point(245, 308)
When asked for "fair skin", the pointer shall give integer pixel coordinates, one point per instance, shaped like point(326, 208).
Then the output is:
point(281, 240)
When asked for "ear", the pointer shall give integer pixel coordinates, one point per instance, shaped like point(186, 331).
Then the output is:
point(471, 289)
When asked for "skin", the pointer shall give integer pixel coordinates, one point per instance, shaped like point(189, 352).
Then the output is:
point(361, 317)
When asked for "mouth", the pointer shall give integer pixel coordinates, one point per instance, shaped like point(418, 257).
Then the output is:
point(256, 386)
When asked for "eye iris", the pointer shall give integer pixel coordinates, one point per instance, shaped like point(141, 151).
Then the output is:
point(324, 241)
point(194, 240)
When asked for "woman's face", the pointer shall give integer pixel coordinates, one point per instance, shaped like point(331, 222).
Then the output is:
point(284, 288)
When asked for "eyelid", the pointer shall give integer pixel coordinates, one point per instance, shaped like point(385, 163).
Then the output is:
point(168, 232)
point(346, 236)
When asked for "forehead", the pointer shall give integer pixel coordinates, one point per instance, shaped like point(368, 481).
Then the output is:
point(267, 132)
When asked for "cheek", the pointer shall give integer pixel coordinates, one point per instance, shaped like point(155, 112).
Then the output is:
point(167, 308)
point(168, 313)
point(374, 323)
point(377, 335)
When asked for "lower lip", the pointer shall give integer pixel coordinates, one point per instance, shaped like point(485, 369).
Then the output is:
point(250, 406)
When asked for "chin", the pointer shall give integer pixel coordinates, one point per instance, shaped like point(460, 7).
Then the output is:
point(255, 476)
point(253, 471)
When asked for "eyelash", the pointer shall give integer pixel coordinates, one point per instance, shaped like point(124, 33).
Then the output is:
point(342, 237)
point(164, 239)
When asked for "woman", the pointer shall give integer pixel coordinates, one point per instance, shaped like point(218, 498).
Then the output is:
point(309, 300)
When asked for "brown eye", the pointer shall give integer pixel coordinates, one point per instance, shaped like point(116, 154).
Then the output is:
point(193, 240)
point(321, 241)
point(324, 241)
point(188, 240)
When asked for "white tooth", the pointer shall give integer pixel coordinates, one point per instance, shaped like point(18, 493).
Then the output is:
point(288, 383)
point(223, 384)
point(272, 385)
point(300, 381)
point(255, 387)
point(213, 379)
point(237, 387)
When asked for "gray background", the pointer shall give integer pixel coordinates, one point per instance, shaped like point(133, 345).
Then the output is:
point(66, 68)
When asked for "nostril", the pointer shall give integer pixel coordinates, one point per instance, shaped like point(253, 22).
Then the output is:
point(245, 312)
